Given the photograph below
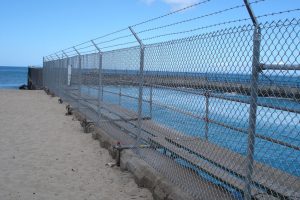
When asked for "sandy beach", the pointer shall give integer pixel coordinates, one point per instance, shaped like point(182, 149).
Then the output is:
point(45, 155)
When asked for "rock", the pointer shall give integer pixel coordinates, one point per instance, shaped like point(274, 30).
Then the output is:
point(23, 87)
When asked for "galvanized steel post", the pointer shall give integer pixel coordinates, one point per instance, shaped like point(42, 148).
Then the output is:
point(253, 102)
point(120, 94)
point(51, 74)
point(141, 82)
point(58, 92)
point(151, 101)
point(100, 86)
point(65, 70)
point(79, 78)
point(44, 72)
point(206, 94)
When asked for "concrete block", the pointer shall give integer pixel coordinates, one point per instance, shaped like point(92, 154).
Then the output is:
point(144, 174)
point(167, 191)
point(178, 194)
point(126, 155)
point(161, 190)
point(95, 135)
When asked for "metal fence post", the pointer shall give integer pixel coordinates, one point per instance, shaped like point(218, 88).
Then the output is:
point(120, 94)
point(60, 66)
point(44, 74)
point(141, 82)
point(79, 78)
point(65, 73)
point(48, 65)
point(48, 73)
point(206, 94)
point(58, 75)
point(52, 76)
point(253, 102)
point(100, 87)
point(151, 101)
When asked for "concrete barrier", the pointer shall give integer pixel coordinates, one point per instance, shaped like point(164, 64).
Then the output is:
point(144, 175)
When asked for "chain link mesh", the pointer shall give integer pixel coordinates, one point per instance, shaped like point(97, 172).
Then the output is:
point(196, 98)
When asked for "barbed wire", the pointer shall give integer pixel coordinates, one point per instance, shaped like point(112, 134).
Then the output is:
point(85, 47)
point(219, 24)
point(199, 17)
point(171, 13)
point(90, 51)
point(112, 33)
point(71, 50)
point(103, 36)
point(162, 16)
point(111, 46)
point(67, 52)
point(146, 21)
point(121, 37)
point(196, 29)
point(80, 44)
point(279, 13)
point(73, 55)
point(106, 35)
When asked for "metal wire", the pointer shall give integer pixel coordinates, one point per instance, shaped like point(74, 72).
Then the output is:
point(121, 37)
point(279, 13)
point(215, 25)
point(196, 100)
point(197, 29)
point(171, 13)
point(116, 45)
point(199, 17)
point(150, 20)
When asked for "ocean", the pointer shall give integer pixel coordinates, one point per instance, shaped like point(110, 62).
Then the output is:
point(12, 77)
point(184, 112)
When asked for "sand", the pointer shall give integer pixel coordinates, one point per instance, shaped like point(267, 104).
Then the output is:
point(45, 155)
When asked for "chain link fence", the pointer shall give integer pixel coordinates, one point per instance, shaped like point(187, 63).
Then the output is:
point(216, 113)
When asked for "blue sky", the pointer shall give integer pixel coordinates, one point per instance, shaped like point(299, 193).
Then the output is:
point(31, 29)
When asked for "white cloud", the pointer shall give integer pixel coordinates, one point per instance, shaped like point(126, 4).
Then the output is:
point(148, 2)
point(175, 4)
point(178, 4)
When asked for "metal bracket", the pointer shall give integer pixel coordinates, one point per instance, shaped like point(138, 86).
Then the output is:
point(69, 110)
point(95, 45)
point(76, 51)
point(51, 57)
point(118, 147)
point(57, 56)
point(137, 37)
point(65, 53)
point(251, 13)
